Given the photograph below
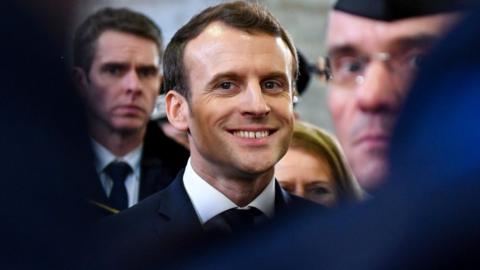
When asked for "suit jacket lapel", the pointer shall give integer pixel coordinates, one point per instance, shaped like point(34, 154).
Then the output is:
point(177, 216)
point(282, 199)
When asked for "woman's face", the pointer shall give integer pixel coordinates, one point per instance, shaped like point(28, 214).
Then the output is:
point(307, 175)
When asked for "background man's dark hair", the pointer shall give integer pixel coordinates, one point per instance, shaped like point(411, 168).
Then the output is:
point(117, 19)
point(251, 18)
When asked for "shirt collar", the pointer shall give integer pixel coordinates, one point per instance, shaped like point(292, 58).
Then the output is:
point(209, 202)
point(105, 157)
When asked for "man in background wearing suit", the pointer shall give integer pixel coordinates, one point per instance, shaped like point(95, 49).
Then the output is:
point(117, 56)
point(230, 72)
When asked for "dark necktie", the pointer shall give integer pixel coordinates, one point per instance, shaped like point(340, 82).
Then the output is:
point(118, 172)
point(243, 219)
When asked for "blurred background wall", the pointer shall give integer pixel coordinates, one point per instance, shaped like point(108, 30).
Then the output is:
point(304, 19)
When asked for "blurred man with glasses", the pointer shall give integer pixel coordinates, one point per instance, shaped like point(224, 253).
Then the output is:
point(374, 48)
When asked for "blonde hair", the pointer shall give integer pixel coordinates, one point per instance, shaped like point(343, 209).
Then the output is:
point(319, 142)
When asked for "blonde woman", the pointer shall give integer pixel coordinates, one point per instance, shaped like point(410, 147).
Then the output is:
point(315, 168)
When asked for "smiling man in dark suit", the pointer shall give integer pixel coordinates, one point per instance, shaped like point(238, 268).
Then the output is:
point(230, 72)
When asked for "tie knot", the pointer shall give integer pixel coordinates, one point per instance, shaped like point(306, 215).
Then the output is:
point(240, 219)
point(118, 171)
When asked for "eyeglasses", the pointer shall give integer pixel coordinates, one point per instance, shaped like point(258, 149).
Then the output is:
point(348, 69)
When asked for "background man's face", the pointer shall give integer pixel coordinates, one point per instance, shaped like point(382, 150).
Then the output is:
point(368, 88)
point(240, 113)
point(123, 82)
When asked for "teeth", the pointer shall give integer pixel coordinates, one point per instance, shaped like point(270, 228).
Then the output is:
point(251, 134)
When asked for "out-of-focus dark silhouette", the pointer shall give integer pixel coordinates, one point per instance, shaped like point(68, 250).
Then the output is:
point(45, 149)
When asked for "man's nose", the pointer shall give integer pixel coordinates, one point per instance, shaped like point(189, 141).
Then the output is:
point(254, 101)
point(132, 83)
point(378, 89)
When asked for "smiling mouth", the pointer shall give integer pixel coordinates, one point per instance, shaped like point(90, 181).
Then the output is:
point(252, 134)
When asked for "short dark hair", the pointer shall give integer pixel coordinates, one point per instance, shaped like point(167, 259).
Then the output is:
point(117, 19)
point(248, 17)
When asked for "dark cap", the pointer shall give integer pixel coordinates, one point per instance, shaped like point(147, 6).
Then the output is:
point(391, 10)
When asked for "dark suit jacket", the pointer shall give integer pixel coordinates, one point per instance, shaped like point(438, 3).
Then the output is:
point(427, 216)
point(165, 225)
point(161, 160)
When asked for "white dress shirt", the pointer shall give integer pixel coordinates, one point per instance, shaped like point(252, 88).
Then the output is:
point(209, 202)
point(132, 183)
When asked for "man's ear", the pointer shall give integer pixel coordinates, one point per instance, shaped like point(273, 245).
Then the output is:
point(177, 110)
point(80, 80)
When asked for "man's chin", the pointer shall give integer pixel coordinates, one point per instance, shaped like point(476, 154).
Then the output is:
point(372, 174)
point(252, 169)
point(128, 129)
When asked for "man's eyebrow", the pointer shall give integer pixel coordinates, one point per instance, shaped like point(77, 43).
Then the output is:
point(419, 40)
point(148, 66)
point(275, 75)
point(224, 75)
point(235, 77)
point(114, 64)
point(126, 63)
point(341, 49)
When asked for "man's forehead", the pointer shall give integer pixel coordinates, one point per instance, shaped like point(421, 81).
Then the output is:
point(217, 30)
point(345, 29)
point(116, 46)
point(218, 38)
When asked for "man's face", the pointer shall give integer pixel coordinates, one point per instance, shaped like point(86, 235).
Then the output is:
point(373, 63)
point(240, 115)
point(123, 83)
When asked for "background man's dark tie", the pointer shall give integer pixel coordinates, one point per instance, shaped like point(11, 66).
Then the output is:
point(118, 172)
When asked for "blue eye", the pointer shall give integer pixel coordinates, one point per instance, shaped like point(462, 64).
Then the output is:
point(113, 70)
point(226, 85)
point(273, 85)
point(146, 72)
point(354, 66)
point(415, 60)
point(319, 191)
point(347, 65)
point(270, 85)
